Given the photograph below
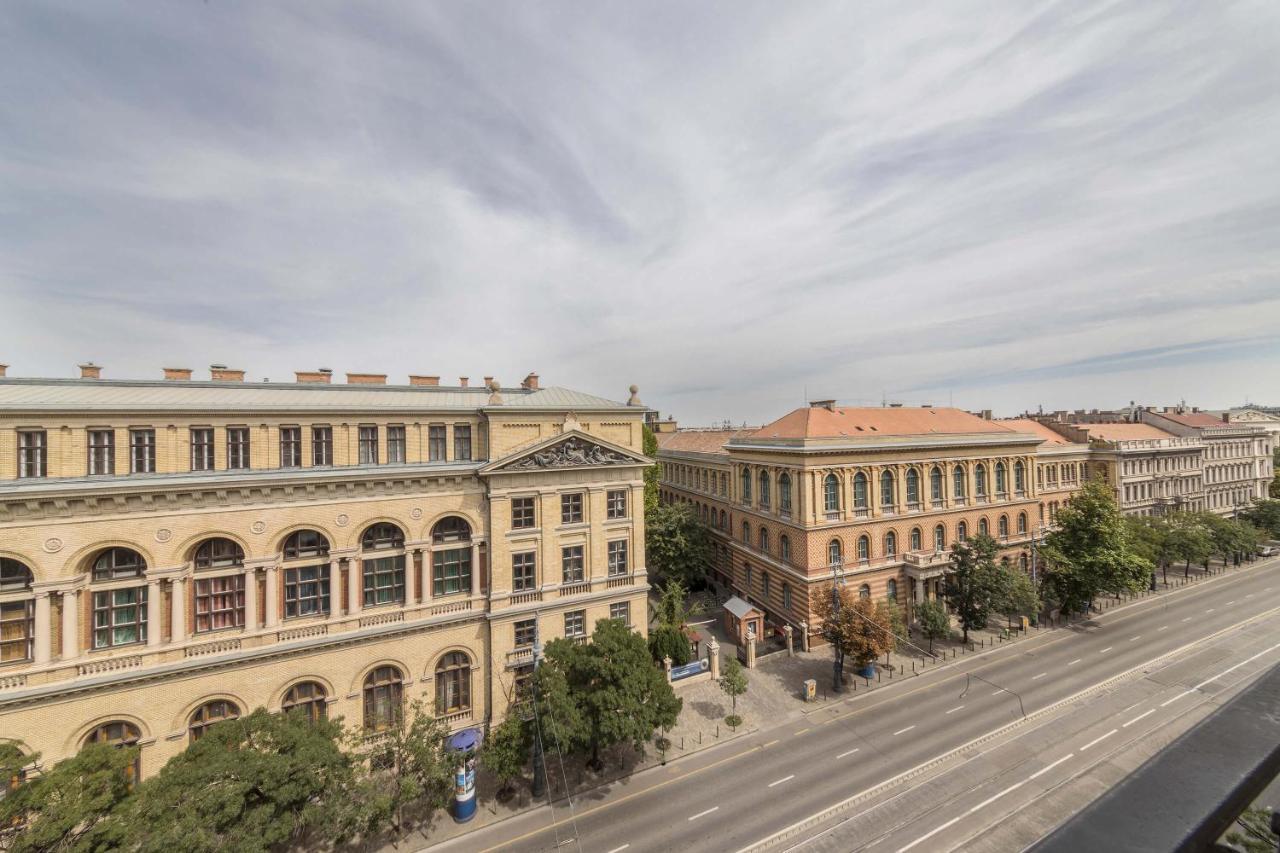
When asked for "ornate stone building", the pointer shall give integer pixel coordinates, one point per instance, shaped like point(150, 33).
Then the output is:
point(1237, 454)
point(875, 496)
point(176, 552)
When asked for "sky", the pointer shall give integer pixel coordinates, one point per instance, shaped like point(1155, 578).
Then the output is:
point(737, 206)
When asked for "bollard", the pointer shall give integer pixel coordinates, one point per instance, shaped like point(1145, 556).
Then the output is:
point(699, 737)
point(717, 731)
point(682, 741)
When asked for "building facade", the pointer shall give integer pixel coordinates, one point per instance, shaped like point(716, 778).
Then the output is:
point(177, 552)
point(873, 497)
point(1237, 455)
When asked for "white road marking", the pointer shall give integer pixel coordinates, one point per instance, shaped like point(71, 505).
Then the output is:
point(956, 708)
point(1211, 609)
point(998, 692)
point(1098, 740)
point(1074, 662)
point(1188, 619)
point(704, 814)
point(1131, 707)
point(1041, 675)
point(903, 731)
point(929, 835)
point(1146, 713)
point(1234, 668)
point(1229, 603)
point(1176, 698)
point(989, 800)
point(1044, 770)
point(1162, 627)
point(1139, 637)
point(850, 752)
point(783, 779)
point(1107, 649)
point(619, 849)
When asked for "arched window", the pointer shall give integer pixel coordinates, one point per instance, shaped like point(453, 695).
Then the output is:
point(891, 544)
point(764, 488)
point(120, 613)
point(307, 698)
point(915, 539)
point(453, 683)
point(120, 735)
point(383, 698)
point(983, 527)
point(303, 544)
point(746, 533)
point(1001, 485)
point(208, 714)
point(746, 485)
point(980, 480)
point(891, 589)
point(17, 612)
point(784, 493)
point(724, 524)
point(1002, 526)
point(1022, 561)
point(939, 538)
point(831, 493)
point(864, 548)
point(786, 597)
point(764, 540)
point(864, 591)
point(957, 482)
point(962, 532)
point(913, 487)
point(935, 483)
point(859, 490)
point(219, 554)
point(381, 536)
point(116, 563)
point(1022, 522)
point(887, 489)
point(451, 529)
point(1019, 477)
point(835, 554)
point(724, 485)
point(784, 548)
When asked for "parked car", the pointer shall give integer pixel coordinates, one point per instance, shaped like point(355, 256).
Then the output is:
point(1268, 551)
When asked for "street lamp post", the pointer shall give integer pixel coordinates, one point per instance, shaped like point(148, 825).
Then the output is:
point(539, 787)
point(837, 666)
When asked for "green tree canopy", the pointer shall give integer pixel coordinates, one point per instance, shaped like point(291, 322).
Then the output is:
point(861, 629)
point(1090, 551)
point(1189, 539)
point(666, 641)
point(935, 624)
point(504, 751)
point(1018, 596)
point(650, 446)
point(677, 545)
point(975, 587)
point(733, 681)
point(1265, 515)
point(601, 693)
point(411, 770)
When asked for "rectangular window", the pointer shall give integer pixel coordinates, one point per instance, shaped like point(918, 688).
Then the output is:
point(290, 446)
point(621, 611)
point(102, 451)
point(322, 445)
point(219, 603)
point(33, 453)
point(368, 445)
point(617, 504)
point(237, 448)
point(435, 443)
point(571, 508)
point(306, 591)
point(462, 442)
point(451, 571)
point(17, 630)
point(526, 632)
point(571, 561)
point(396, 444)
point(618, 557)
point(524, 572)
point(202, 449)
point(575, 623)
point(522, 513)
point(142, 451)
point(119, 617)
point(383, 580)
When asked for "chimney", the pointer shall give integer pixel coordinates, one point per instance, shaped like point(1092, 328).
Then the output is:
point(222, 373)
point(366, 379)
point(530, 382)
point(462, 381)
point(895, 405)
point(3, 369)
point(423, 380)
point(986, 414)
point(488, 380)
point(1226, 416)
point(829, 405)
point(314, 377)
point(926, 405)
point(177, 374)
point(89, 370)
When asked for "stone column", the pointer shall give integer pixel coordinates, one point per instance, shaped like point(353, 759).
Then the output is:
point(787, 631)
point(154, 621)
point(410, 577)
point(335, 589)
point(70, 624)
point(475, 568)
point(751, 651)
point(251, 600)
point(666, 666)
point(355, 586)
point(178, 609)
point(270, 607)
point(44, 629)
point(426, 574)
point(713, 655)
point(804, 636)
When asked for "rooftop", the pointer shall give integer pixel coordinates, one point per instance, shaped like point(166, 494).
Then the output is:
point(699, 440)
point(1124, 432)
point(822, 421)
point(1193, 419)
point(1050, 436)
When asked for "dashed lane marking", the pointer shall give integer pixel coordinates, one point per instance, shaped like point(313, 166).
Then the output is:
point(783, 779)
point(1146, 713)
point(705, 813)
point(1044, 770)
point(1041, 675)
point(956, 708)
point(850, 752)
point(903, 731)
point(1098, 740)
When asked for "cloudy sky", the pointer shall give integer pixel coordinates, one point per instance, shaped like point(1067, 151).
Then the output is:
point(736, 206)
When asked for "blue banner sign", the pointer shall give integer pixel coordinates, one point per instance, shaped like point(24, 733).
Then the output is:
point(679, 672)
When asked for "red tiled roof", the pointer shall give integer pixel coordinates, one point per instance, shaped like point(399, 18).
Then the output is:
point(1036, 428)
point(821, 422)
point(1124, 432)
point(698, 440)
point(1192, 419)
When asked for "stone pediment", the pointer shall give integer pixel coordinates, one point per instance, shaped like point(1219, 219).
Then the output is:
point(575, 450)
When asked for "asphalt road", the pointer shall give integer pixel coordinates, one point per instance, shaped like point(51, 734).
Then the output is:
point(903, 767)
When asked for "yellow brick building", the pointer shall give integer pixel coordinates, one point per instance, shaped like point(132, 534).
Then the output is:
point(173, 552)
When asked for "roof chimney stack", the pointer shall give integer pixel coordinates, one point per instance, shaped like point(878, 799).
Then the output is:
point(530, 382)
point(423, 380)
point(314, 377)
point(89, 370)
point(3, 369)
point(463, 381)
point(222, 373)
point(177, 374)
point(366, 379)
point(829, 405)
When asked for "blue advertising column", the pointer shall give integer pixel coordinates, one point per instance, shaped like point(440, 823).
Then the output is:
point(464, 745)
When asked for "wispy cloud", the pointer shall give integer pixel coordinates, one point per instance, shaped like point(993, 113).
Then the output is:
point(732, 205)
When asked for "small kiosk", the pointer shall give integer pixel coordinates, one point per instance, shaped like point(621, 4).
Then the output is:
point(742, 618)
point(464, 746)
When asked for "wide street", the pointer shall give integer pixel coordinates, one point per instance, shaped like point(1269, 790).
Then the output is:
point(931, 763)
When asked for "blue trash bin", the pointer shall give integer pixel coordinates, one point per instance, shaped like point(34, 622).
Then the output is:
point(464, 745)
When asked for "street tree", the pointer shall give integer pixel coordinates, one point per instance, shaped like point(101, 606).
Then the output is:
point(733, 681)
point(1150, 538)
point(1265, 515)
point(1018, 596)
point(1189, 540)
point(666, 641)
point(1090, 552)
point(253, 784)
point(602, 693)
point(504, 751)
point(935, 624)
point(671, 609)
point(857, 628)
point(651, 474)
point(411, 770)
point(974, 587)
point(677, 544)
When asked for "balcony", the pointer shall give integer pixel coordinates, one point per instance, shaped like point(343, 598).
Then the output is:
point(938, 503)
point(455, 718)
point(525, 597)
point(861, 512)
point(215, 648)
point(617, 581)
point(576, 588)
